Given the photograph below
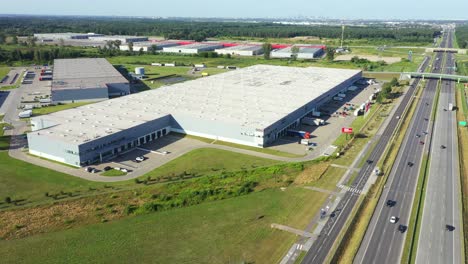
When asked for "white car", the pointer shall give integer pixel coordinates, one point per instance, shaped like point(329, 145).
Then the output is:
point(140, 158)
point(123, 170)
point(393, 219)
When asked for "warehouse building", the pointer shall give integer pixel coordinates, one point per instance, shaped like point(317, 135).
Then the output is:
point(241, 50)
point(303, 53)
point(145, 45)
point(123, 39)
point(77, 80)
point(69, 35)
point(252, 106)
point(193, 48)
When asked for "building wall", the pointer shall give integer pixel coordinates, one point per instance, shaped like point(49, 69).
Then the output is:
point(218, 129)
point(118, 89)
point(76, 95)
point(50, 148)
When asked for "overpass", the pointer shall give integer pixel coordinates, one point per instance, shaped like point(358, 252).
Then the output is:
point(428, 75)
point(451, 50)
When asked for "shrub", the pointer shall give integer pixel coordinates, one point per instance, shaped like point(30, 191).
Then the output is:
point(130, 209)
point(8, 199)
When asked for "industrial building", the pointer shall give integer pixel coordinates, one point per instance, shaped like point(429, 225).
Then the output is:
point(252, 106)
point(122, 39)
point(148, 44)
point(193, 48)
point(303, 53)
point(69, 35)
point(86, 79)
point(242, 50)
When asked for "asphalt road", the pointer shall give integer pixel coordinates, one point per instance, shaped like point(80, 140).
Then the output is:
point(383, 242)
point(441, 205)
point(322, 245)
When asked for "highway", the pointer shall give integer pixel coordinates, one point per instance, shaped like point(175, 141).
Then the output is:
point(383, 242)
point(441, 205)
point(322, 245)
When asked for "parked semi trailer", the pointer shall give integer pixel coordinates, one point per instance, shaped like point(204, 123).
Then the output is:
point(301, 134)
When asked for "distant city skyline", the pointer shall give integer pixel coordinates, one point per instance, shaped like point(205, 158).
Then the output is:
point(337, 9)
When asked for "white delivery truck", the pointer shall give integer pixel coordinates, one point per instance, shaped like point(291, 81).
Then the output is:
point(25, 114)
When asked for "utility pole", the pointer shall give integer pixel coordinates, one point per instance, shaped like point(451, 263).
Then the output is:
point(342, 35)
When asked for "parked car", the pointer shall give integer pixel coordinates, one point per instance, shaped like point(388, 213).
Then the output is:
point(123, 170)
point(140, 158)
point(107, 168)
point(89, 169)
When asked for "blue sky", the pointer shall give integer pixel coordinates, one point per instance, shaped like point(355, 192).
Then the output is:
point(344, 9)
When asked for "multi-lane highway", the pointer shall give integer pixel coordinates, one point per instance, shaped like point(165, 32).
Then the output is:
point(439, 239)
point(383, 242)
point(321, 247)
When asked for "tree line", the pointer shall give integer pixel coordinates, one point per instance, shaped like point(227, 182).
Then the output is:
point(171, 29)
point(462, 36)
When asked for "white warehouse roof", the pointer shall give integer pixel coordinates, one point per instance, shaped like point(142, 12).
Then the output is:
point(84, 73)
point(253, 97)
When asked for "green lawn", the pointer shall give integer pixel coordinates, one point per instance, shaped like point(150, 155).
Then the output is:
point(4, 140)
point(55, 108)
point(4, 71)
point(207, 160)
point(113, 173)
point(22, 180)
point(228, 231)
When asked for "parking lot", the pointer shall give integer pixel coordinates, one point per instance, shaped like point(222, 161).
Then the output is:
point(35, 91)
point(322, 137)
point(156, 153)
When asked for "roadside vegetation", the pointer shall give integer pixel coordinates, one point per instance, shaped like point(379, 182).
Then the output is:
point(462, 36)
point(462, 115)
point(4, 140)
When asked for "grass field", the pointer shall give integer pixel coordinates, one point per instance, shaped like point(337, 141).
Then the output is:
point(4, 140)
point(113, 173)
point(4, 71)
point(227, 231)
point(21, 180)
point(55, 108)
point(206, 161)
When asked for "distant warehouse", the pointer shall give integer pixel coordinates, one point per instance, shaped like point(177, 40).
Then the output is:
point(146, 45)
point(69, 35)
point(122, 39)
point(302, 53)
point(252, 106)
point(193, 48)
point(242, 50)
point(86, 80)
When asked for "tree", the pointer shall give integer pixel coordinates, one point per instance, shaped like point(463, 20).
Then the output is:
point(294, 52)
point(140, 52)
point(394, 82)
point(130, 46)
point(266, 50)
point(14, 40)
point(8, 199)
point(330, 53)
point(153, 49)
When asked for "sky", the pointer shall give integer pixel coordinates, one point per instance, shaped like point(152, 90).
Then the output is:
point(340, 9)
